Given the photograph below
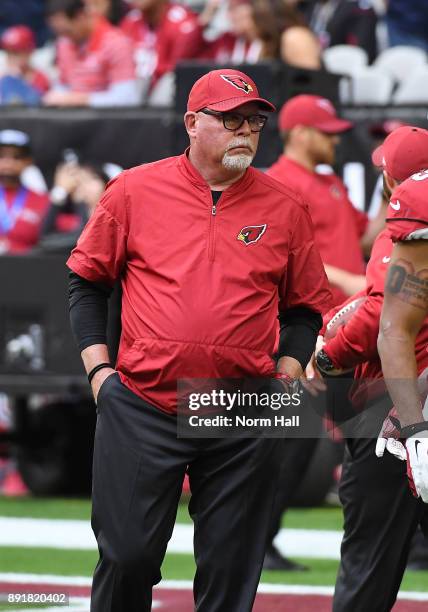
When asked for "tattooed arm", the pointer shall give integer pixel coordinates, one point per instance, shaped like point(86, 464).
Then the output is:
point(404, 310)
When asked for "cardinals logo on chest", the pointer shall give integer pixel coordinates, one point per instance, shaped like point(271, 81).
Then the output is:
point(251, 233)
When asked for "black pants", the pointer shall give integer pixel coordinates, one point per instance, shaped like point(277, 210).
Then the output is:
point(380, 518)
point(139, 466)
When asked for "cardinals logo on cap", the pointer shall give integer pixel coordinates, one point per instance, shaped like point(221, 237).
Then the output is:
point(251, 233)
point(326, 105)
point(238, 82)
point(420, 176)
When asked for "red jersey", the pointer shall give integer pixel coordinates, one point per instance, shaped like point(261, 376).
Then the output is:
point(157, 50)
point(202, 283)
point(407, 216)
point(355, 344)
point(106, 58)
point(21, 216)
point(338, 225)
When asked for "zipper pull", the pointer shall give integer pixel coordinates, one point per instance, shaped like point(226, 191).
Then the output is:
point(214, 210)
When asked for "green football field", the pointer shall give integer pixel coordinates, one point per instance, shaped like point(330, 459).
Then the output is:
point(71, 562)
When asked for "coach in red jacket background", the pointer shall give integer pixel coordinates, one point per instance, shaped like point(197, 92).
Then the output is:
point(310, 129)
point(208, 250)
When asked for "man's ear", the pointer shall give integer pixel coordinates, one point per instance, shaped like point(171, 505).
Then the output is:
point(190, 120)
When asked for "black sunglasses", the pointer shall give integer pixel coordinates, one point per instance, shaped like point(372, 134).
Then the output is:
point(233, 121)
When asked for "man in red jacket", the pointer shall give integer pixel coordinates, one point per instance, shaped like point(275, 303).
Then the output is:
point(21, 210)
point(310, 129)
point(380, 514)
point(208, 250)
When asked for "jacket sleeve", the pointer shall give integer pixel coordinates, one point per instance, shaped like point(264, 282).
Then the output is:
point(100, 253)
point(304, 282)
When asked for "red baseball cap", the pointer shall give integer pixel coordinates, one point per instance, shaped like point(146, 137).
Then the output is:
point(18, 39)
point(403, 153)
point(225, 90)
point(311, 111)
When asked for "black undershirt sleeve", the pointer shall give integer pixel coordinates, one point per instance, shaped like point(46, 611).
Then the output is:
point(88, 304)
point(299, 329)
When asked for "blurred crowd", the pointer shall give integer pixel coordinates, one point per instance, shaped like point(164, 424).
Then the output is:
point(105, 53)
point(30, 214)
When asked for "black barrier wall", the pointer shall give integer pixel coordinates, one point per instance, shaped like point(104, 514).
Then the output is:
point(127, 137)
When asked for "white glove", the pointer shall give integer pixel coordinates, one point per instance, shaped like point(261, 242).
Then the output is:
point(390, 433)
point(395, 447)
point(417, 465)
point(414, 451)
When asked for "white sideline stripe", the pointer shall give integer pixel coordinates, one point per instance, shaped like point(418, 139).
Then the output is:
point(49, 533)
point(80, 581)
point(77, 535)
point(286, 589)
point(310, 543)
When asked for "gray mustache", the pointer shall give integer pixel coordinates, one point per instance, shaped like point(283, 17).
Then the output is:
point(239, 142)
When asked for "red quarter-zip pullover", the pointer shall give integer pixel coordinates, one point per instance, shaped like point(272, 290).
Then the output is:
point(202, 283)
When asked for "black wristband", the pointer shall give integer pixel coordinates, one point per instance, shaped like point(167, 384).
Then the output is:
point(97, 368)
point(411, 430)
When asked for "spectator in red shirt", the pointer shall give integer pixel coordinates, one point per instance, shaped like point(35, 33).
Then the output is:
point(21, 210)
point(19, 43)
point(163, 33)
point(310, 130)
point(95, 59)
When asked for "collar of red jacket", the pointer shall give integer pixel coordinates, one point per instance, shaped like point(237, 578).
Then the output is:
point(196, 178)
